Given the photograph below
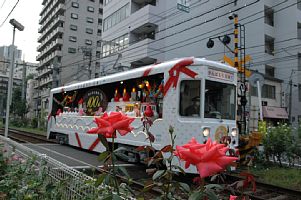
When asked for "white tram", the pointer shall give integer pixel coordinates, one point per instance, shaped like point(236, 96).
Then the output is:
point(195, 96)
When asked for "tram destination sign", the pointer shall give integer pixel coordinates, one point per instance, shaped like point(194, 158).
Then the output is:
point(93, 100)
point(220, 75)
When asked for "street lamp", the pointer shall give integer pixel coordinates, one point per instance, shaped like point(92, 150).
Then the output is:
point(20, 27)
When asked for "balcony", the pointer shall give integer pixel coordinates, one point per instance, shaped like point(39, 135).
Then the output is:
point(148, 52)
point(51, 9)
point(45, 92)
point(46, 81)
point(44, 72)
point(44, 29)
point(147, 15)
point(59, 11)
point(51, 47)
point(51, 56)
point(50, 36)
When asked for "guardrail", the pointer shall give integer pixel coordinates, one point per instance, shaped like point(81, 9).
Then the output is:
point(57, 171)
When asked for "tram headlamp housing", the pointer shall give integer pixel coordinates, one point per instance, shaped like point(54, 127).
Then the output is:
point(234, 132)
point(206, 131)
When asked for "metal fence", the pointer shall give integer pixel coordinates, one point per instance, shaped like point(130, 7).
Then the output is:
point(76, 187)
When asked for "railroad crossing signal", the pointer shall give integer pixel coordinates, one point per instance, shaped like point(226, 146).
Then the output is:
point(240, 64)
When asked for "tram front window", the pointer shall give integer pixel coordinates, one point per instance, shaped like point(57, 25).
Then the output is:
point(219, 100)
point(190, 98)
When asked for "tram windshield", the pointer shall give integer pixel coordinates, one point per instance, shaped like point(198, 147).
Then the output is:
point(219, 100)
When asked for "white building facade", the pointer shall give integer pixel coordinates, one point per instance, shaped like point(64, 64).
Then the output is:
point(141, 32)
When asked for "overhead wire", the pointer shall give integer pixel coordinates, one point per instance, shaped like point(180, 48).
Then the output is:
point(9, 13)
point(183, 30)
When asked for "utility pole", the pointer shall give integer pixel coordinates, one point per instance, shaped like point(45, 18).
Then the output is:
point(20, 27)
point(290, 101)
point(55, 73)
point(87, 52)
point(23, 81)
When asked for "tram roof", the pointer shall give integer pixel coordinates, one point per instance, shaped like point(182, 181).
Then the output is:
point(138, 72)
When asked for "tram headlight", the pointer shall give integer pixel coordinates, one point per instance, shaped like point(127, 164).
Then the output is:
point(234, 132)
point(206, 131)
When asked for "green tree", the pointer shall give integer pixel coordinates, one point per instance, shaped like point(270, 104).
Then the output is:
point(18, 106)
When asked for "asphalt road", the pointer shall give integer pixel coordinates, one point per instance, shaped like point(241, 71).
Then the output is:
point(68, 155)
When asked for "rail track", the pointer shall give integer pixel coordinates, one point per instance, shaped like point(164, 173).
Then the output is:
point(139, 177)
point(267, 192)
point(26, 137)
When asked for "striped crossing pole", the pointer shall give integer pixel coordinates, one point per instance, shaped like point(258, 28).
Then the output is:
point(236, 41)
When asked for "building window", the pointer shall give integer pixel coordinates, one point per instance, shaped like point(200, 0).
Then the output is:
point(269, 45)
point(100, 11)
point(99, 43)
point(116, 17)
point(90, 20)
point(299, 31)
point(97, 54)
point(115, 45)
point(72, 38)
point(99, 22)
point(73, 27)
point(99, 32)
point(90, 9)
point(270, 70)
point(74, 16)
point(89, 30)
point(71, 50)
point(268, 91)
point(268, 16)
point(88, 42)
point(299, 4)
point(75, 4)
point(190, 98)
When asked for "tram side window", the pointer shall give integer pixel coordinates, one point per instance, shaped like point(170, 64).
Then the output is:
point(190, 98)
point(219, 100)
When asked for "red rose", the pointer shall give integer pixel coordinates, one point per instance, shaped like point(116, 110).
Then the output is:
point(209, 158)
point(109, 124)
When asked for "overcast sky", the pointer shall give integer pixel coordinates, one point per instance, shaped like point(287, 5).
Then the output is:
point(27, 13)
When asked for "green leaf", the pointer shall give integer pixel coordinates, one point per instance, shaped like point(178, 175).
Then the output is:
point(116, 197)
point(124, 171)
point(121, 156)
point(214, 186)
point(211, 195)
point(196, 196)
point(158, 174)
point(108, 197)
point(103, 156)
point(104, 141)
point(100, 179)
point(178, 168)
point(120, 149)
point(185, 187)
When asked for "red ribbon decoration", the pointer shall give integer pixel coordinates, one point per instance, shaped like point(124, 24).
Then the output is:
point(180, 67)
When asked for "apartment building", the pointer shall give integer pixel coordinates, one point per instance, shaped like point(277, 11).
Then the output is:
point(3, 91)
point(69, 44)
point(141, 32)
point(5, 57)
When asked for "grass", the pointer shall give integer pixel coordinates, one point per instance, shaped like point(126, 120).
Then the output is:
point(32, 130)
point(279, 176)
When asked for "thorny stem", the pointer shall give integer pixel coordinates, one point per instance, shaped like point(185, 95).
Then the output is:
point(170, 163)
point(113, 164)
